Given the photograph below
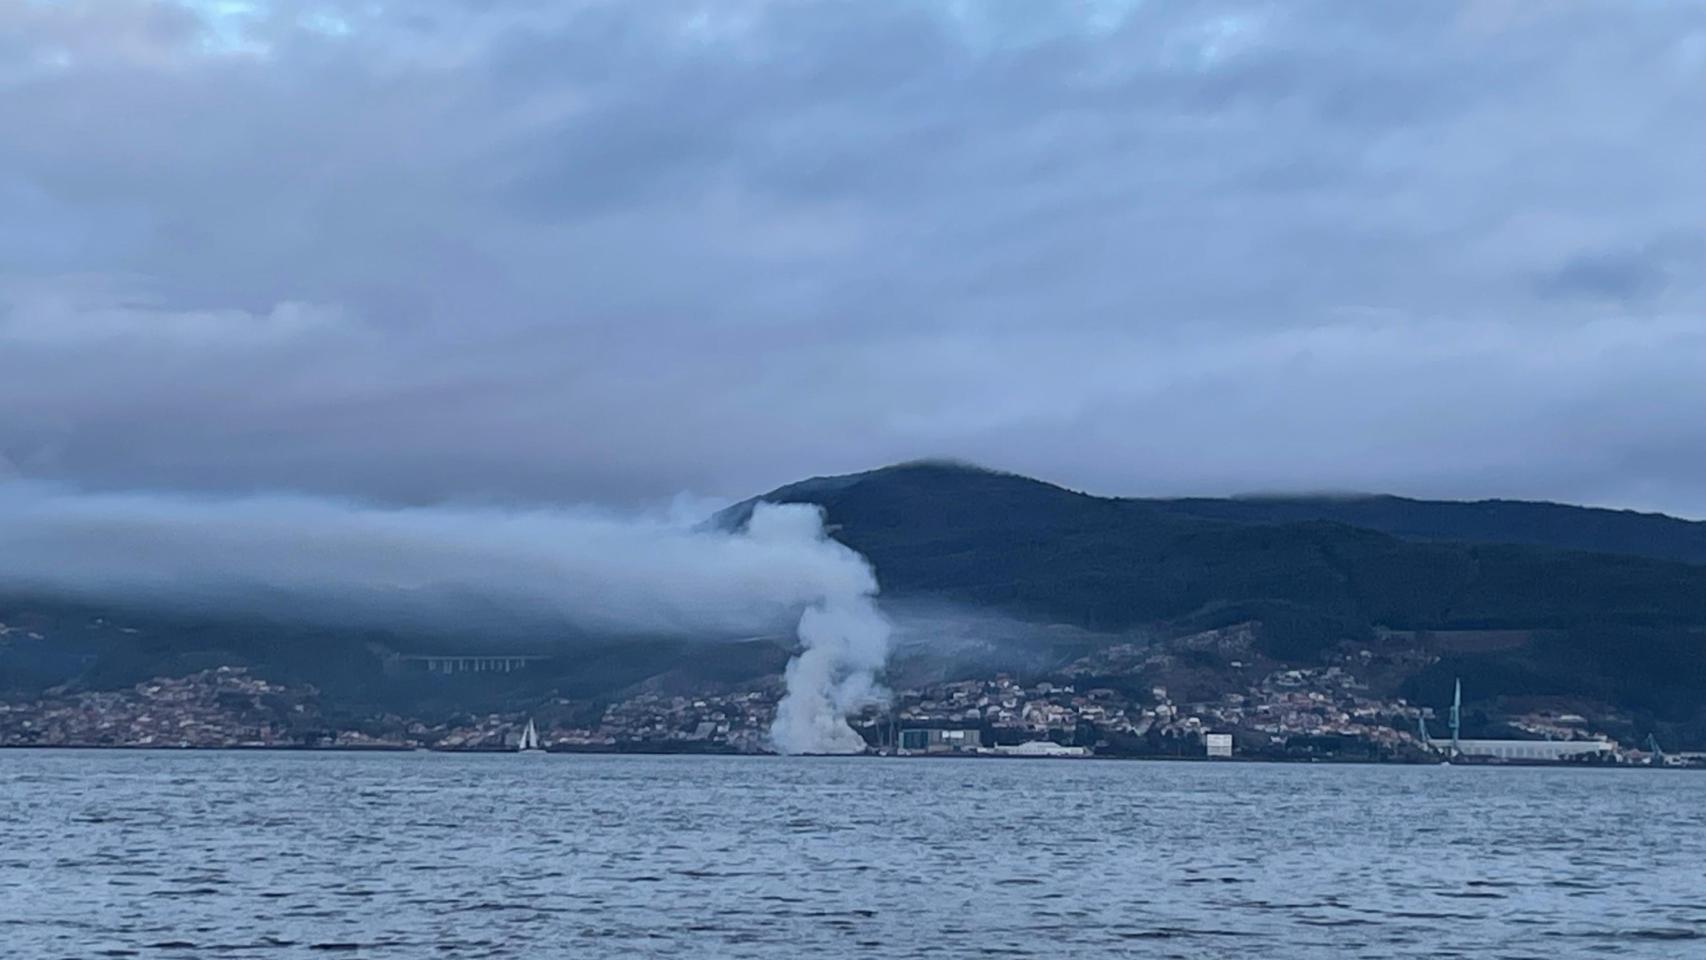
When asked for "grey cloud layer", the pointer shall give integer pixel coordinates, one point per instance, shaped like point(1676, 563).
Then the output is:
point(566, 251)
point(441, 567)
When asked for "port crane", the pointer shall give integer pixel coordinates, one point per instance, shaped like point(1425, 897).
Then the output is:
point(1455, 720)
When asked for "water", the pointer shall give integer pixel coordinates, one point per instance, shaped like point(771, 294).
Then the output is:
point(275, 855)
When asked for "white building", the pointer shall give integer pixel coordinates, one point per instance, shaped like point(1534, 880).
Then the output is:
point(1219, 744)
point(1550, 750)
point(1041, 748)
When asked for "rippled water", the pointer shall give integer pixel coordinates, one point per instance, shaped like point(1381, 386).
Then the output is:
point(167, 855)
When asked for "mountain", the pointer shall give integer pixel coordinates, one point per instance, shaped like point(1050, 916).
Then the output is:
point(993, 539)
point(1014, 573)
point(1559, 525)
point(1623, 628)
point(47, 642)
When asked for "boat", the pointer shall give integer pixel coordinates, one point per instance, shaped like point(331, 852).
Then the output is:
point(529, 739)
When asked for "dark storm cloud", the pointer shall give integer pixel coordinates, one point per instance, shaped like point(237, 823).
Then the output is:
point(1629, 274)
point(565, 251)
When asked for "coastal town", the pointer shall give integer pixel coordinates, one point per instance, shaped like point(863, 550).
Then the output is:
point(1318, 713)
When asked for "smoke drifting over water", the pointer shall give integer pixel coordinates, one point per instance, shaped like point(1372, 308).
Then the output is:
point(343, 562)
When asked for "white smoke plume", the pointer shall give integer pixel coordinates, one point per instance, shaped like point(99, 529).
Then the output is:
point(846, 641)
point(342, 561)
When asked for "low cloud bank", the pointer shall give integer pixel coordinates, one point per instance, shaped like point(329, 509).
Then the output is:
point(341, 561)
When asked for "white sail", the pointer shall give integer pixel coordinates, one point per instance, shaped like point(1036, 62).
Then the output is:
point(529, 737)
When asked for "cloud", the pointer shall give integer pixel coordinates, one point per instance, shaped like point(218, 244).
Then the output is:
point(1627, 276)
point(482, 572)
point(550, 252)
point(79, 314)
point(444, 567)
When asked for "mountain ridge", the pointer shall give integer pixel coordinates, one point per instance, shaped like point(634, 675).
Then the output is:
point(1529, 619)
point(1504, 520)
point(1625, 629)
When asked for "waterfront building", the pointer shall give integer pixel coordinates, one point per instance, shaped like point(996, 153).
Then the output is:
point(1532, 750)
point(1041, 748)
point(1537, 750)
point(933, 740)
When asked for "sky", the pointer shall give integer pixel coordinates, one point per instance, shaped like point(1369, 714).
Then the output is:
point(575, 251)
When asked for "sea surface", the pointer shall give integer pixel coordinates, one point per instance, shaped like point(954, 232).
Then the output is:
point(277, 855)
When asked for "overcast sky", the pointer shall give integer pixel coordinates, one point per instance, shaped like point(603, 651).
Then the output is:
point(570, 250)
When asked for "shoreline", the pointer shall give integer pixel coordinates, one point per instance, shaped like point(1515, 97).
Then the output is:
point(394, 749)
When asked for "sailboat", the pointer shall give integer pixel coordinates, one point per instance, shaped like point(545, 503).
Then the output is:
point(529, 739)
point(1456, 720)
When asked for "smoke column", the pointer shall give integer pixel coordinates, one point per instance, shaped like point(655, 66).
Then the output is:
point(449, 567)
point(844, 641)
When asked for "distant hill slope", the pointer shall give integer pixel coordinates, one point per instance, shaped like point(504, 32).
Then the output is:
point(1313, 574)
point(45, 642)
point(1105, 563)
point(1625, 630)
point(1481, 521)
